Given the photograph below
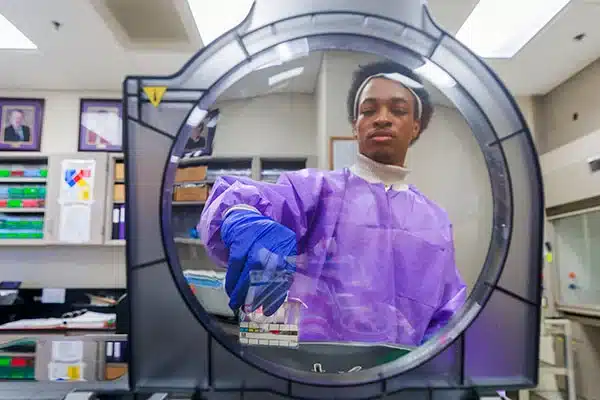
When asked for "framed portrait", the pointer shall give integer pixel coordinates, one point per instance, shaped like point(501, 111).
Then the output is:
point(21, 124)
point(100, 125)
point(201, 136)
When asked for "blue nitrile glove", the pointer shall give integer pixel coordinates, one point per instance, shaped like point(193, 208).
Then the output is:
point(257, 243)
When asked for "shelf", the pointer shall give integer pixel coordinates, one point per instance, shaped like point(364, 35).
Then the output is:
point(188, 203)
point(192, 241)
point(115, 243)
point(22, 179)
point(203, 182)
point(23, 242)
point(31, 210)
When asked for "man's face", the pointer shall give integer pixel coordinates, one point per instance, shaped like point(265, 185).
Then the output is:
point(385, 125)
point(16, 118)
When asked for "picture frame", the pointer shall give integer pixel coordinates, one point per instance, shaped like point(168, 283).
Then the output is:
point(100, 125)
point(21, 124)
point(342, 151)
point(201, 135)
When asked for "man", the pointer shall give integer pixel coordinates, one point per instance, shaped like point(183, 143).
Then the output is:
point(16, 131)
point(369, 257)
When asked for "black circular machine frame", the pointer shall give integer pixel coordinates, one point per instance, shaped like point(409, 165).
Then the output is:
point(176, 346)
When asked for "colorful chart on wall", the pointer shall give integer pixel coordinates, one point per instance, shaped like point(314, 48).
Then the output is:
point(76, 199)
point(77, 181)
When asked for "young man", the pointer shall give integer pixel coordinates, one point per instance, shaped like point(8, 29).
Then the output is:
point(370, 257)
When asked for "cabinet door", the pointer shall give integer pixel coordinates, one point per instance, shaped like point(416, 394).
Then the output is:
point(58, 215)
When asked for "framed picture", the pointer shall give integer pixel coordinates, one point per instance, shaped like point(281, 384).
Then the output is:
point(342, 151)
point(100, 126)
point(201, 135)
point(21, 124)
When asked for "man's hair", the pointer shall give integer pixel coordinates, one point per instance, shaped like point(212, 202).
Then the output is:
point(17, 110)
point(387, 67)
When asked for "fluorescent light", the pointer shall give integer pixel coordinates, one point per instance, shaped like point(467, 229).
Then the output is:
point(214, 18)
point(500, 28)
point(435, 75)
point(282, 76)
point(12, 38)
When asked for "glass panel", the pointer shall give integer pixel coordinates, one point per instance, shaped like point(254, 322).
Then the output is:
point(368, 281)
point(593, 224)
point(572, 257)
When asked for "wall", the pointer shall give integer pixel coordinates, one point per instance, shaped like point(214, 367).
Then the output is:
point(580, 94)
point(278, 124)
point(564, 145)
point(64, 266)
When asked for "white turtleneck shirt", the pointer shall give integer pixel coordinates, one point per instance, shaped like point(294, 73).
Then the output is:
point(371, 171)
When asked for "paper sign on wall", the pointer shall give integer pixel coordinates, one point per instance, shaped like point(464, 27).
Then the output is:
point(76, 198)
point(77, 183)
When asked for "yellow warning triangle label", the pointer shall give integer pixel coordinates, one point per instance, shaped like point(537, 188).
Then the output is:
point(155, 94)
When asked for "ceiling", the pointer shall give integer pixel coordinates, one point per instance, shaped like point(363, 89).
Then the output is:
point(101, 41)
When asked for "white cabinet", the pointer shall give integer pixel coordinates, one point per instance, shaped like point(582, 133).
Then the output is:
point(56, 210)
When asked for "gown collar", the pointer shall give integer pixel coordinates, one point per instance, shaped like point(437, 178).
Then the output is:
point(373, 172)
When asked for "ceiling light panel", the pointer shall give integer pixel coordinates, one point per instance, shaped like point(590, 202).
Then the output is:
point(214, 18)
point(11, 38)
point(500, 28)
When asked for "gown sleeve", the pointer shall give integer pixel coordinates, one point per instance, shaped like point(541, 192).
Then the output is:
point(290, 202)
point(454, 291)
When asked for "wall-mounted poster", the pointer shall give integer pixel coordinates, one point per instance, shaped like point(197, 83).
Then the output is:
point(21, 124)
point(100, 126)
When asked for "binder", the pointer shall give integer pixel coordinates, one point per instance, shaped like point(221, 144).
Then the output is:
point(115, 223)
point(122, 223)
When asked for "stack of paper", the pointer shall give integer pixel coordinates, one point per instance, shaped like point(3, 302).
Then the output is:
point(88, 320)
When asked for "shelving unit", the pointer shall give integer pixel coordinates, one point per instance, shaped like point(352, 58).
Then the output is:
point(187, 210)
point(114, 223)
point(272, 167)
point(23, 180)
point(560, 330)
point(193, 182)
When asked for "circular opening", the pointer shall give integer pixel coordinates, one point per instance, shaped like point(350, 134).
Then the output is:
point(381, 348)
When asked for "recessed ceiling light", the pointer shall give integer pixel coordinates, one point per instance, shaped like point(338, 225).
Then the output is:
point(500, 28)
point(11, 38)
point(285, 75)
point(214, 18)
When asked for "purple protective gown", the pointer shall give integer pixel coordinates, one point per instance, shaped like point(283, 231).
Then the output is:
point(374, 265)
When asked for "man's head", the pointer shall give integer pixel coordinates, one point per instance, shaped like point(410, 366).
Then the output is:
point(16, 117)
point(388, 108)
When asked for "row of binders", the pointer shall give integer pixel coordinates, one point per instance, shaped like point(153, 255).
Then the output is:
point(118, 222)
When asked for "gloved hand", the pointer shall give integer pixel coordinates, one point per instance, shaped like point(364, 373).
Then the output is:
point(257, 243)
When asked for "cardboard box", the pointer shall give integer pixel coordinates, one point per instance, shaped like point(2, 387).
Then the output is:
point(196, 174)
point(180, 175)
point(119, 171)
point(119, 193)
point(191, 174)
point(191, 193)
point(114, 371)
